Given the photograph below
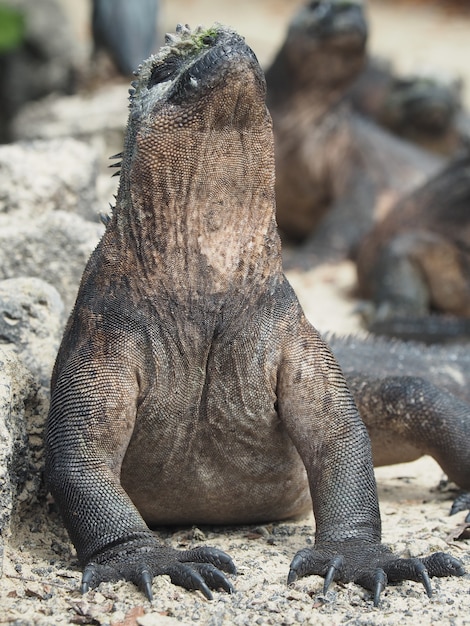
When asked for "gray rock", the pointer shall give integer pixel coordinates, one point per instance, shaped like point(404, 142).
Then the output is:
point(23, 410)
point(54, 246)
point(31, 320)
point(99, 118)
point(41, 176)
point(31, 323)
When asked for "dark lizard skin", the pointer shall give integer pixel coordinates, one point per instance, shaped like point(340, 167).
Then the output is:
point(189, 386)
point(414, 400)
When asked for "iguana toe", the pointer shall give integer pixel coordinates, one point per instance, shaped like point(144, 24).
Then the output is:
point(305, 562)
point(461, 503)
point(214, 578)
point(380, 582)
point(96, 573)
point(424, 576)
point(203, 554)
point(370, 565)
point(335, 565)
point(442, 564)
point(411, 569)
point(89, 574)
point(188, 576)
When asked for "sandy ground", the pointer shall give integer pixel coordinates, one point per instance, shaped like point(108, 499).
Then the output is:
point(41, 576)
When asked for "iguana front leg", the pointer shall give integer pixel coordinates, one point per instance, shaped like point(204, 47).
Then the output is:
point(322, 420)
point(91, 420)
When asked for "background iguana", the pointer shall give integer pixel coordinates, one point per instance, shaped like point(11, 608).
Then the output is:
point(336, 171)
point(414, 400)
point(416, 261)
point(189, 386)
point(422, 106)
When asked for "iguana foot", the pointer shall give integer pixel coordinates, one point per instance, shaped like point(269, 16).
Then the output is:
point(370, 565)
point(461, 503)
point(198, 569)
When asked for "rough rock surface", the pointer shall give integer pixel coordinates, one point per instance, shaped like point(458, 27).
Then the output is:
point(40, 176)
point(54, 247)
point(48, 211)
point(23, 409)
point(31, 322)
point(31, 319)
point(99, 118)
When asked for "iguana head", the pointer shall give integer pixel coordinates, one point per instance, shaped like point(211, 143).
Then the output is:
point(325, 44)
point(191, 64)
point(197, 176)
point(421, 103)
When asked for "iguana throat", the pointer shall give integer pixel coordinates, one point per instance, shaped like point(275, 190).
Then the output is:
point(197, 185)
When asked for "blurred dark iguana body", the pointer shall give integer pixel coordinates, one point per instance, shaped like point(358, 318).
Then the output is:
point(422, 107)
point(336, 171)
point(189, 387)
point(416, 261)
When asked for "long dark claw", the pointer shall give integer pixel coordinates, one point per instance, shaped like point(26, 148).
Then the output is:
point(213, 578)
point(461, 503)
point(145, 583)
point(335, 565)
point(190, 579)
point(204, 589)
point(380, 582)
point(88, 575)
point(295, 566)
point(292, 576)
point(225, 563)
point(218, 581)
point(423, 576)
point(216, 557)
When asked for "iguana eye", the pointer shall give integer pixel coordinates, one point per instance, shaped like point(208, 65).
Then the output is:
point(163, 72)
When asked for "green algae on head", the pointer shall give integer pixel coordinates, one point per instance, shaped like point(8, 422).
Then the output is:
point(186, 62)
point(203, 37)
point(164, 66)
point(183, 43)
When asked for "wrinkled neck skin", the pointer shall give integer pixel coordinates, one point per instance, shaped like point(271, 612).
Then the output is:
point(196, 209)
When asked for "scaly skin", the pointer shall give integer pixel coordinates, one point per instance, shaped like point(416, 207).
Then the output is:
point(416, 402)
point(189, 387)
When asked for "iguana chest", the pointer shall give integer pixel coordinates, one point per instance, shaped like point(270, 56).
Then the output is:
point(208, 445)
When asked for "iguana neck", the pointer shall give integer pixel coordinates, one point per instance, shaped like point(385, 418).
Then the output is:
point(200, 204)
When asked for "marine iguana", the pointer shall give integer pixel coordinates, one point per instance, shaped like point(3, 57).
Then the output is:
point(336, 171)
point(416, 261)
point(422, 107)
point(189, 386)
